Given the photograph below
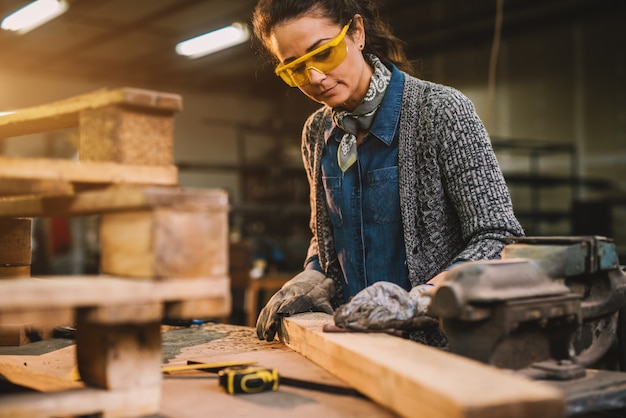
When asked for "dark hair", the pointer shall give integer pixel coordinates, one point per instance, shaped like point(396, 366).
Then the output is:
point(380, 41)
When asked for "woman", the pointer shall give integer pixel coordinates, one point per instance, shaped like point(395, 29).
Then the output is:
point(404, 182)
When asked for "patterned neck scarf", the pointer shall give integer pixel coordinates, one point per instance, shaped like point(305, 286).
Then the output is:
point(361, 118)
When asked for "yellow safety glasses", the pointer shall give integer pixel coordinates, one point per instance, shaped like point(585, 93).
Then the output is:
point(323, 60)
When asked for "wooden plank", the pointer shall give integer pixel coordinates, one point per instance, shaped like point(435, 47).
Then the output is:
point(35, 379)
point(118, 356)
point(223, 342)
point(58, 292)
point(137, 313)
point(14, 271)
point(59, 363)
point(115, 198)
point(413, 379)
point(40, 319)
point(136, 402)
point(86, 172)
point(65, 113)
point(20, 187)
point(164, 243)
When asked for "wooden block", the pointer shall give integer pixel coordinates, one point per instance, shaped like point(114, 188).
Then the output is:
point(118, 356)
point(416, 380)
point(65, 113)
point(17, 187)
point(15, 249)
point(115, 198)
point(86, 172)
point(126, 135)
point(164, 243)
point(30, 300)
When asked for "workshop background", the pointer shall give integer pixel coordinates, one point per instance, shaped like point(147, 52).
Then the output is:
point(548, 78)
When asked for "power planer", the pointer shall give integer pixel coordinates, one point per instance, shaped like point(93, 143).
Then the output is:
point(551, 308)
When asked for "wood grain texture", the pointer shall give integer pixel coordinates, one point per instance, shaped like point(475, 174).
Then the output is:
point(416, 380)
point(15, 247)
point(113, 199)
point(137, 402)
point(61, 292)
point(164, 243)
point(86, 172)
point(34, 379)
point(126, 135)
point(40, 319)
point(65, 113)
point(126, 242)
point(118, 356)
point(14, 271)
point(20, 187)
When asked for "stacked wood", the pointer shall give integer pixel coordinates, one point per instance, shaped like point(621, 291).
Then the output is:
point(163, 248)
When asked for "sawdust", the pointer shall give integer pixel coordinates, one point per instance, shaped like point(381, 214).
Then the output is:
point(212, 338)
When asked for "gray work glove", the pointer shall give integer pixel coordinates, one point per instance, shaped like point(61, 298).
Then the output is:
point(385, 305)
point(309, 291)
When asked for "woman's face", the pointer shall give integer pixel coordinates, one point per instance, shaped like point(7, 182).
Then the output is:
point(346, 85)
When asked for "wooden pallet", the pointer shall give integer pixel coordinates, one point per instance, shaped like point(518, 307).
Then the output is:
point(163, 248)
point(125, 137)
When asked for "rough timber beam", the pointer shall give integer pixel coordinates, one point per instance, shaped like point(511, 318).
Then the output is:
point(66, 113)
point(412, 379)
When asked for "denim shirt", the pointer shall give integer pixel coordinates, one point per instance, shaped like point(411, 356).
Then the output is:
point(364, 202)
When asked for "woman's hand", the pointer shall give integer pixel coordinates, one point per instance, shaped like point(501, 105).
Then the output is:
point(309, 291)
point(385, 305)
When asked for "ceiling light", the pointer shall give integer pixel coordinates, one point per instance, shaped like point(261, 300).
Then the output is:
point(33, 15)
point(211, 42)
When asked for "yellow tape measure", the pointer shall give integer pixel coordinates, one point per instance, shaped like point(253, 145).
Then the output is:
point(248, 379)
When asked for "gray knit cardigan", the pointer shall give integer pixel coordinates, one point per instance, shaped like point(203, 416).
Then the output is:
point(454, 201)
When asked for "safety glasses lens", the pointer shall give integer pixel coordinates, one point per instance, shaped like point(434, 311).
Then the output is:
point(330, 58)
point(323, 62)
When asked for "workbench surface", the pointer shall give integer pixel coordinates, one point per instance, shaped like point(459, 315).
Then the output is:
point(197, 394)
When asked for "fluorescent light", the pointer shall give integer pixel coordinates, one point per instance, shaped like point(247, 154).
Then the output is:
point(33, 15)
point(211, 42)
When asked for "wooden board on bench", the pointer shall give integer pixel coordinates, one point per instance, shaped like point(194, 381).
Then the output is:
point(416, 380)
